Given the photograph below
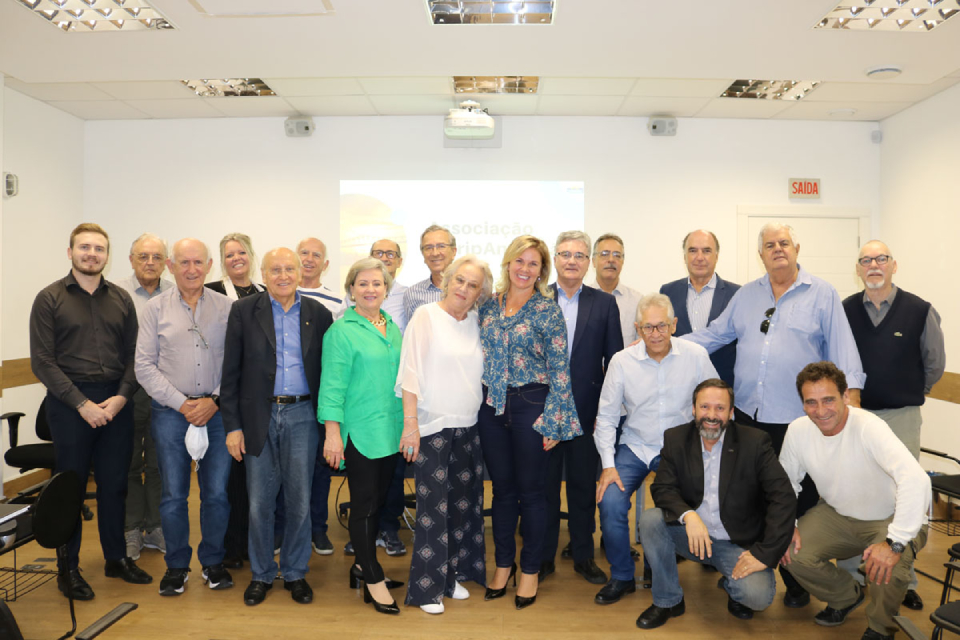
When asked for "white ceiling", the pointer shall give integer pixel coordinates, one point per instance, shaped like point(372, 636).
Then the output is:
point(384, 57)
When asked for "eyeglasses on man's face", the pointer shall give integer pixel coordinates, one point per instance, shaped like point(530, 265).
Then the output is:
point(568, 255)
point(881, 260)
point(648, 329)
point(389, 255)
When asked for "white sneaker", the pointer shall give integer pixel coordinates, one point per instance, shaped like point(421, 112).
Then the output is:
point(134, 541)
point(460, 592)
point(432, 609)
point(154, 540)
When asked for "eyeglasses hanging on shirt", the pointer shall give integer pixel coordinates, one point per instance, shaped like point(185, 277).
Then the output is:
point(195, 329)
point(765, 325)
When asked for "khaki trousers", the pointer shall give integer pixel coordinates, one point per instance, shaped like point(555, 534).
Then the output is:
point(826, 535)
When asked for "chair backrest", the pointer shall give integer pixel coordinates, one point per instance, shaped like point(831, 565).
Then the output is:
point(42, 426)
point(56, 514)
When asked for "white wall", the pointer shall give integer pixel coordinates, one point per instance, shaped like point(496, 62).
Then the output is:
point(920, 221)
point(208, 177)
point(44, 147)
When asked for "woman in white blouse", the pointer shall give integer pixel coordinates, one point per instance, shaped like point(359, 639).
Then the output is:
point(439, 380)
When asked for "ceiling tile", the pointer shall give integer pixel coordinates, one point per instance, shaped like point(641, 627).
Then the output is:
point(742, 108)
point(413, 105)
point(163, 90)
point(585, 86)
point(676, 107)
point(408, 86)
point(188, 108)
point(333, 106)
point(506, 104)
point(579, 105)
point(299, 87)
point(58, 91)
point(252, 106)
point(875, 92)
point(865, 111)
point(100, 109)
point(679, 88)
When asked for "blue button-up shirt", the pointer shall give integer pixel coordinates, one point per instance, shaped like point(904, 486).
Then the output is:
point(699, 304)
point(570, 307)
point(291, 378)
point(808, 325)
point(709, 509)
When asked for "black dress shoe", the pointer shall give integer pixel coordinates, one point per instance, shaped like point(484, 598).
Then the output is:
point(655, 616)
point(590, 571)
point(127, 570)
point(738, 610)
point(547, 568)
point(391, 608)
point(567, 552)
point(796, 598)
point(870, 634)
point(613, 590)
point(74, 586)
point(522, 602)
point(256, 592)
point(912, 600)
point(233, 562)
point(831, 617)
point(299, 590)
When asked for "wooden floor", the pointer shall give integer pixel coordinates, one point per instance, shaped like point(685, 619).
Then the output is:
point(564, 610)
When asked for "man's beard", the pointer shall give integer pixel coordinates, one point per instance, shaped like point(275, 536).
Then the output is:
point(88, 270)
point(711, 433)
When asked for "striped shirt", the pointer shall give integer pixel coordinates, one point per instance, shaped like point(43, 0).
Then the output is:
point(698, 304)
point(424, 292)
point(334, 303)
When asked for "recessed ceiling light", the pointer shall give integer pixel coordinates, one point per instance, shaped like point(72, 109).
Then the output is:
point(898, 15)
point(884, 72)
point(229, 87)
point(491, 11)
point(770, 89)
point(99, 15)
point(844, 112)
point(496, 84)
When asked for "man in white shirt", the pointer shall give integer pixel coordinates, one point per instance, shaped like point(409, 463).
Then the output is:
point(655, 380)
point(313, 263)
point(874, 501)
point(608, 257)
point(388, 252)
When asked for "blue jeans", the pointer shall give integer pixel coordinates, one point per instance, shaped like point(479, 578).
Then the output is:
point(661, 544)
point(288, 457)
point(319, 498)
point(615, 511)
point(169, 428)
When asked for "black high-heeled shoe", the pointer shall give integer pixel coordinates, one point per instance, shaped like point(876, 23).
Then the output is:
point(356, 579)
point(523, 602)
point(493, 594)
point(391, 608)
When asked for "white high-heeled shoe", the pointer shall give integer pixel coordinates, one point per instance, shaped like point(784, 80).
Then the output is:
point(460, 592)
point(432, 609)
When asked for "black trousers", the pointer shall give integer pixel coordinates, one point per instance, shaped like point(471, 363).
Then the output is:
point(581, 459)
point(108, 449)
point(369, 481)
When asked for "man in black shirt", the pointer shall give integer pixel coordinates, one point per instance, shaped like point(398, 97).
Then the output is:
point(83, 337)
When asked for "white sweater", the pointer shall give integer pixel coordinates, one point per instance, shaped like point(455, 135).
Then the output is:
point(863, 472)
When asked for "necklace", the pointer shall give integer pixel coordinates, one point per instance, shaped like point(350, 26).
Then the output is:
point(379, 321)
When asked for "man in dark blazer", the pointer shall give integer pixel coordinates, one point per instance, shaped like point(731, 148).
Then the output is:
point(703, 295)
point(593, 336)
point(722, 499)
point(268, 398)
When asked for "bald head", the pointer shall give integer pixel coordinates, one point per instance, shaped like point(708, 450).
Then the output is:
point(877, 273)
point(313, 261)
point(281, 273)
point(190, 245)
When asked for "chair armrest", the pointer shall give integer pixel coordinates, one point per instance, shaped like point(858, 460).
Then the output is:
point(13, 422)
point(909, 628)
point(939, 454)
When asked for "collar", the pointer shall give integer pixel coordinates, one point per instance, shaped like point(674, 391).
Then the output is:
point(276, 305)
point(675, 349)
point(803, 277)
point(712, 284)
point(889, 299)
point(71, 280)
point(718, 447)
point(561, 292)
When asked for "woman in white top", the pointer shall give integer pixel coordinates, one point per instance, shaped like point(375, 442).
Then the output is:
point(439, 380)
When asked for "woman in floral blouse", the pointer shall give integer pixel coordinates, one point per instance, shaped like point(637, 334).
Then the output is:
point(528, 407)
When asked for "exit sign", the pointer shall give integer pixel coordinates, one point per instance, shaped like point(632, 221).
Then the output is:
point(803, 188)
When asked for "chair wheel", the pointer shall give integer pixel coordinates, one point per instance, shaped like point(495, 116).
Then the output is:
point(87, 513)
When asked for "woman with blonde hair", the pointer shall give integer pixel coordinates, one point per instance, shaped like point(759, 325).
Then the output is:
point(528, 407)
point(236, 265)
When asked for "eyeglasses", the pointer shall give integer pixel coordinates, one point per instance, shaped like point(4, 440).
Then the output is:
point(567, 255)
point(390, 255)
point(661, 328)
point(606, 253)
point(156, 257)
point(195, 329)
point(440, 246)
point(765, 325)
point(880, 260)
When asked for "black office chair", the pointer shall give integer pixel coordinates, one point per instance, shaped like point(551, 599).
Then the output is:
point(28, 457)
point(947, 615)
point(947, 485)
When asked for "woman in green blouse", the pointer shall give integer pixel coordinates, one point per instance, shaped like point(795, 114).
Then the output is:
point(363, 415)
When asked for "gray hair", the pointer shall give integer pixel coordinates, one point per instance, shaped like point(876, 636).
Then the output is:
point(654, 300)
point(364, 264)
point(607, 236)
point(149, 236)
point(774, 226)
point(436, 227)
point(486, 289)
point(579, 236)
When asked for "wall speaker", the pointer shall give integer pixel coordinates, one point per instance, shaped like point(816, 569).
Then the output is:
point(11, 185)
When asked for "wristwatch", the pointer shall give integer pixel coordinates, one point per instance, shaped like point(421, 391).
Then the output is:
point(896, 547)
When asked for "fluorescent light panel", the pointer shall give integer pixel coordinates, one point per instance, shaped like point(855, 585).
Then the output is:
point(98, 15)
point(491, 11)
point(229, 87)
point(496, 84)
point(770, 89)
point(889, 15)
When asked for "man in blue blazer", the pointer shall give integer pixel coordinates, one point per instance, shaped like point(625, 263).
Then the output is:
point(593, 337)
point(703, 295)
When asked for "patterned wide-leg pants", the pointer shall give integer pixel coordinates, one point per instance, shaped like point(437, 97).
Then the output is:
point(449, 539)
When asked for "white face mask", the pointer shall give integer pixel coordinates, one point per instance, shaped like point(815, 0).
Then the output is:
point(197, 442)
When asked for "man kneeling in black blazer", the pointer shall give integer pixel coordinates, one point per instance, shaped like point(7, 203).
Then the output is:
point(722, 499)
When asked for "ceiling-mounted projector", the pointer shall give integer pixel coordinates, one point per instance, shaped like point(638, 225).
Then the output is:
point(469, 122)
